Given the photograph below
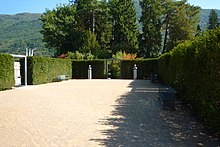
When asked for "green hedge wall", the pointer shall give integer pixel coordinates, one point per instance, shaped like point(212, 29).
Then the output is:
point(44, 70)
point(193, 69)
point(80, 69)
point(163, 67)
point(145, 68)
point(7, 80)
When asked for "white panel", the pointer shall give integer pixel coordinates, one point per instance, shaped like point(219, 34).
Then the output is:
point(17, 73)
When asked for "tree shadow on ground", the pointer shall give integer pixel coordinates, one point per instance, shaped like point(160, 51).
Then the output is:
point(139, 120)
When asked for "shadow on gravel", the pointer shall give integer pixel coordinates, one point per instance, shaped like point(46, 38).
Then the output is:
point(139, 120)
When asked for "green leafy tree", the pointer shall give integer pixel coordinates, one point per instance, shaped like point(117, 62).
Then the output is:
point(213, 20)
point(90, 44)
point(75, 55)
point(124, 23)
point(80, 56)
point(59, 29)
point(86, 14)
point(199, 31)
point(93, 15)
point(181, 24)
point(150, 39)
point(104, 25)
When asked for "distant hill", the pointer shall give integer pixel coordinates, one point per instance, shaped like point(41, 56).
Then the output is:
point(204, 17)
point(20, 31)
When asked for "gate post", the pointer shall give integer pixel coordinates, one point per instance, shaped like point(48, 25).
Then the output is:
point(25, 68)
point(90, 72)
point(106, 69)
point(135, 72)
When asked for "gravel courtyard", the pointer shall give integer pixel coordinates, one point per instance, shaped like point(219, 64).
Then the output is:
point(95, 113)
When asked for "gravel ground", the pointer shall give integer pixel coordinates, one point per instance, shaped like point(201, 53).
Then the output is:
point(95, 113)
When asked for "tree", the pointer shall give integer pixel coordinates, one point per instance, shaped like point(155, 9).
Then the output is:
point(90, 44)
point(150, 39)
point(213, 20)
point(93, 15)
point(104, 25)
point(86, 14)
point(124, 26)
point(181, 24)
point(59, 29)
point(198, 31)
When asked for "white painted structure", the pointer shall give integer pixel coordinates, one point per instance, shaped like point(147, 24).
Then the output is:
point(90, 72)
point(17, 73)
point(25, 66)
point(135, 72)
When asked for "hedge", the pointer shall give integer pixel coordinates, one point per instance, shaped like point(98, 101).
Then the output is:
point(193, 69)
point(44, 70)
point(80, 69)
point(163, 67)
point(145, 68)
point(7, 80)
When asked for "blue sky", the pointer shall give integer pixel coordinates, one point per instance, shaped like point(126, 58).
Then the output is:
point(206, 4)
point(39, 6)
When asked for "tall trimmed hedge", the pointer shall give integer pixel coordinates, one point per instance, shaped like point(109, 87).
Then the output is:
point(44, 70)
point(7, 80)
point(193, 69)
point(145, 68)
point(80, 69)
point(163, 67)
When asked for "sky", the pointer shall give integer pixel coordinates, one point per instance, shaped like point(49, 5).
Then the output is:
point(39, 6)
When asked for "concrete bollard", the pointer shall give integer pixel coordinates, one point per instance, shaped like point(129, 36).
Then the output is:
point(90, 72)
point(135, 72)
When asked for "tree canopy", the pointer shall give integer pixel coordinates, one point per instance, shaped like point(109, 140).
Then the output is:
point(60, 29)
point(103, 28)
point(150, 38)
point(124, 24)
point(213, 20)
point(180, 23)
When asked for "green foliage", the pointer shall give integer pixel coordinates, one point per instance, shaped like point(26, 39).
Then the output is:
point(93, 15)
point(198, 31)
point(44, 70)
point(20, 31)
point(80, 69)
point(80, 56)
point(23, 30)
point(145, 68)
point(124, 23)
point(204, 18)
point(75, 55)
point(213, 20)
point(90, 44)
point(151, 38)
point(163, 67)
point(123, 56)
point(114, 69)
point(115, 64)
point(193, 69)
point(7, 80)
point(182, 20)
point(83, 26)
point(60, 29)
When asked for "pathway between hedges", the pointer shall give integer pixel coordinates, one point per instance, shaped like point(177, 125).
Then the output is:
point(95, 113)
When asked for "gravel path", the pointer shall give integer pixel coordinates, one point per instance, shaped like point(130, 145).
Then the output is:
point(95, 113)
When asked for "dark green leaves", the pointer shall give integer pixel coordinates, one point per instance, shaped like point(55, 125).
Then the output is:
point(213, 20)
point(124, 23)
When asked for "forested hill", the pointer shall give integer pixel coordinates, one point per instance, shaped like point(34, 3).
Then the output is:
point(204, 17)
point(22, 30)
